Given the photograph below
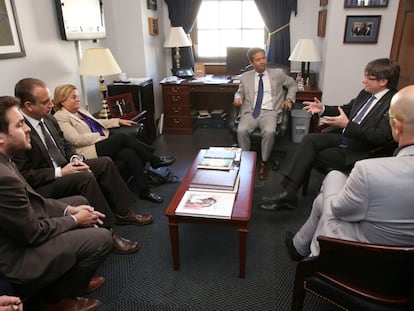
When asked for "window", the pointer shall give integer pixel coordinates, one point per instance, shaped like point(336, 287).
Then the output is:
point(223, 23)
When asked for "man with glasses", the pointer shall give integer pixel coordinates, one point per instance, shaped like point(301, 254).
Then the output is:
point(358, 127)
point(373, 204)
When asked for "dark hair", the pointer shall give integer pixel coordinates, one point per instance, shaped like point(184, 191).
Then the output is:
point(24, 90)
point(6, 102)
point(252, 51)
point(384, 68)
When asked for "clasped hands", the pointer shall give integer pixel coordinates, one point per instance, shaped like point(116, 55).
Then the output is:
point(85, 215)
point(316, 106)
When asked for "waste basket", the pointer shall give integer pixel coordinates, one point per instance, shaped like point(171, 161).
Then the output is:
point(300, 124)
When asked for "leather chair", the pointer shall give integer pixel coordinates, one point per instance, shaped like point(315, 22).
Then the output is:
point(357, 276)
point(255, 136)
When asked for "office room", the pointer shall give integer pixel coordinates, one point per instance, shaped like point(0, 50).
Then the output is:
point(244, 264)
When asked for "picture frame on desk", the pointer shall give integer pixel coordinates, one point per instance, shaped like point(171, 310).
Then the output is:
point(121, 106)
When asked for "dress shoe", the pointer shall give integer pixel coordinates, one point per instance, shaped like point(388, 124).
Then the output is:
point(151, 196)
point(75, 304)
point(293, 253)
point(132, 218)
point(281, 201)
point(123, 246)
point(263, 171)
point(94, 284)
point(163, 161)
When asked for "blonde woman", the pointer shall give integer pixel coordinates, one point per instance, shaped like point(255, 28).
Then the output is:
point(91, 138)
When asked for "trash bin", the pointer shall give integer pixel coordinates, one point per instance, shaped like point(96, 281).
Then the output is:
point(300, 124)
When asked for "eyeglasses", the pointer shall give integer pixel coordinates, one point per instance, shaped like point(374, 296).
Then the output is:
point(369, 77)
point(395, 117)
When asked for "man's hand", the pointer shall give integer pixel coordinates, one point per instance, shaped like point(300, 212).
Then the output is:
point(124, 122)
point(287, 103)
point(238, 101)
point(313, 107)
point(340, 121)
point(87, 217)
point(10, 303)
point(75, 166)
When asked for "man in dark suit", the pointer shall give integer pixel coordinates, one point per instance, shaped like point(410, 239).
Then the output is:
point(96, 179)
point(360, 126)
point(48, 248)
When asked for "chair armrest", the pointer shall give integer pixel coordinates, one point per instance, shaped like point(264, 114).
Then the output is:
point(285, 121)
point(140, 116)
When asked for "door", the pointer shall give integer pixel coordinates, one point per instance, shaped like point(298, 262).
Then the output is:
point(402, 49)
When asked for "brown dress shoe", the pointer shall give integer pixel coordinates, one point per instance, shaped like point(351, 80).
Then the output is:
point(75, 304)
point(263, 171)
point(132, 218)
point(123, 246)
point(94, 284)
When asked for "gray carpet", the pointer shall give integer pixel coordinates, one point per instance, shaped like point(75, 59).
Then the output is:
point(208, 278)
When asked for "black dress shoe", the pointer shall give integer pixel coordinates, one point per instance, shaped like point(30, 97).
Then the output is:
point(293, 253)
point(284, 200)
point(151, 196)
point(163, 161)
point(123, 246)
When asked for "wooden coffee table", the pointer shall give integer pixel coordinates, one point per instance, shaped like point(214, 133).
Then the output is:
point(240, 217)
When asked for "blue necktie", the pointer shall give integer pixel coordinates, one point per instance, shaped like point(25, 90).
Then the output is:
point(358, 118)
point(259, 99)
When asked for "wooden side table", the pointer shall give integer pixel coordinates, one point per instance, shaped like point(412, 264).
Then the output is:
point(308, 95)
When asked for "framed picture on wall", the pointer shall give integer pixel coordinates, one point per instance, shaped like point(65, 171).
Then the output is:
point(322, 22)
point(121, 106)
point(362, 29)
point(152, 5)
point(11, 44)
point(366, 3)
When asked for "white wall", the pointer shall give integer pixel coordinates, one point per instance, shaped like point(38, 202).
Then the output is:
point(140, 55)
point(342, 66)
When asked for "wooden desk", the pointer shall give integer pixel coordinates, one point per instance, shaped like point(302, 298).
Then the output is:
point(241, 211)
point(182, 102)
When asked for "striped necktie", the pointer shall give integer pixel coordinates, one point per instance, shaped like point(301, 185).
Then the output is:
point(363, 111)
point(54, 151)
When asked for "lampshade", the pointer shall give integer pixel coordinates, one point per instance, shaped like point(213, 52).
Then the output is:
point(305, 51)
point(176, 38)
point(98, 62)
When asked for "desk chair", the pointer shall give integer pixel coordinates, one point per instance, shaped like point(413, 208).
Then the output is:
point(255, 136)
point(357, 276)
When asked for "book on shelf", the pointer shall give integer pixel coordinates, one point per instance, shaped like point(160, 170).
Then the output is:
point(234, 190)
point(215, 164)
point(214, 179)
point(206, 204)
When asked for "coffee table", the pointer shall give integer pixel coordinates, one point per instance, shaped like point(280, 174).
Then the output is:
point(240, 217)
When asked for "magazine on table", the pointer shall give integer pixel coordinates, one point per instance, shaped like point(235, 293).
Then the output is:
point(206, 204)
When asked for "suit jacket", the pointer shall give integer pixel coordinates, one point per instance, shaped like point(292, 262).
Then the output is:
point(27, 221)
point(374, 130)
point(279, 81)
point(36, 165)
point(373, 205)
point(79, 134)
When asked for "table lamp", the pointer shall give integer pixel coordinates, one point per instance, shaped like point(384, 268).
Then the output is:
point(305, 51)
point(177, 38)
point(99, 62)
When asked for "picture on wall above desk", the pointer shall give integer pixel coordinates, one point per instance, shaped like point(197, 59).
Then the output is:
point(11, 44)
point(365, 3)
point(362, 29)
point(121, 106)
point(152, 5)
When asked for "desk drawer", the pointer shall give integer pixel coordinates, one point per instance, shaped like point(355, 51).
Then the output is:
point(177, 99)
point(176, 89)
point(181, 123)
point(174, 110)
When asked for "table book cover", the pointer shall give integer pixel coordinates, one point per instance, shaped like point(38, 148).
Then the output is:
point(215, 164)
point(206, 204)
point(214, 179)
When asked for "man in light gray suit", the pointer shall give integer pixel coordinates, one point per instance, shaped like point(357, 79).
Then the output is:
point(261, 98)
point(373, 204)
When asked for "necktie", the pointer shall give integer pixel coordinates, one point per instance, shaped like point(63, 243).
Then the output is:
point(259, 99)
point(361, 113)
point(54, 152)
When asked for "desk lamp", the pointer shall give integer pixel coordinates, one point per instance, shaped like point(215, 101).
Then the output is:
point(305, 51)
point(99, 62)
point(177, 38)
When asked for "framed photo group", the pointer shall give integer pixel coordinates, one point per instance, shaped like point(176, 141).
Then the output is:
point(366, 3)
point(362, 29)
point(11, 44)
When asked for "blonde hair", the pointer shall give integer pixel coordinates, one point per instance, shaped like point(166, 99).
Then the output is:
point(62, 93)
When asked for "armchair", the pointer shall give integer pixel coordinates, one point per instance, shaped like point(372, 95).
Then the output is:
point(357, 276)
